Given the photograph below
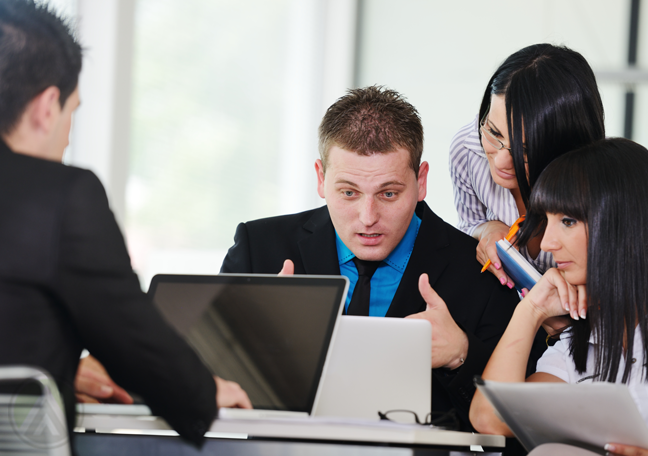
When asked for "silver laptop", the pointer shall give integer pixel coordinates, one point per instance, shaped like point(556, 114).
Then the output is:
point(271, 334)
point(585, 415)
point(377, 364)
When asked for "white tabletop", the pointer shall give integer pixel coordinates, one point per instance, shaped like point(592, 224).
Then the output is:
point(125, 420)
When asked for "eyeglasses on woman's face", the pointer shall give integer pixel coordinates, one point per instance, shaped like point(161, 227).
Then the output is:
point(488, 135)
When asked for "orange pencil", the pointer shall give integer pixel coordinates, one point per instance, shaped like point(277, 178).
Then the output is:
point(512, 232)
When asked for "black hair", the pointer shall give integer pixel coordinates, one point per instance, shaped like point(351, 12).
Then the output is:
point(38, 50)
point(604, 186)
point(552, 106)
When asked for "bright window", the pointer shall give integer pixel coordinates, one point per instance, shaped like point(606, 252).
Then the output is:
point(206, 128)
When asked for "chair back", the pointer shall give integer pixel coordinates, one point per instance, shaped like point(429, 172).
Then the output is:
point(32, 420)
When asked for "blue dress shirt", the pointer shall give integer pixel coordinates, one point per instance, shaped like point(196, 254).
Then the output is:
point(385, 281)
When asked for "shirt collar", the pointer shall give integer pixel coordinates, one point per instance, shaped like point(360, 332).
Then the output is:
point(398, 258)
point(473, 141)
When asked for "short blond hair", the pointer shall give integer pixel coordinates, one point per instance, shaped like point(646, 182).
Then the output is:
point(372, 120)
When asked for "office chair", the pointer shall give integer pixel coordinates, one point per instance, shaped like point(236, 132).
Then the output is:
point(32, 421)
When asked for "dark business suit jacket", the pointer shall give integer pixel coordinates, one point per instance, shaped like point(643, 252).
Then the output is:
point(479, 304)
point(66, 283)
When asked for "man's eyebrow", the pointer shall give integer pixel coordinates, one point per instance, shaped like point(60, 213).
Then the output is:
point(392, 183)
point(384, 185)
point(344, 181)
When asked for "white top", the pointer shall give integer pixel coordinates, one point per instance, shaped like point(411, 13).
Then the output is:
point(557, 361)
point(477, 197)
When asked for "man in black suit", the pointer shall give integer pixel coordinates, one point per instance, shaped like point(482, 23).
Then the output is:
point(66, 282)
point(371, 175)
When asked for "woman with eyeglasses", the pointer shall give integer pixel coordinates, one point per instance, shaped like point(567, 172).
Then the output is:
point(541, 102)
point(591, 206)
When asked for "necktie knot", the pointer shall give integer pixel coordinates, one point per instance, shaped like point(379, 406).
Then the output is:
point(366, 268)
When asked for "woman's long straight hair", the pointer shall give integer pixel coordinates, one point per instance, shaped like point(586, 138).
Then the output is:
point(552, 106)
point(605, 186)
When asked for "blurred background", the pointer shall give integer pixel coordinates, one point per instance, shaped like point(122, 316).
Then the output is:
point(200, 114)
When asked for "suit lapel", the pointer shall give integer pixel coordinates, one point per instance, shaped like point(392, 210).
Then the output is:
point(429, 255)
point(318, 250)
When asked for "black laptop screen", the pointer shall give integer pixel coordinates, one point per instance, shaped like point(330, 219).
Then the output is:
point(270, 334)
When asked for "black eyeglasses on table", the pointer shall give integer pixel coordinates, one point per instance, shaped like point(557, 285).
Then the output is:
point(447, 420)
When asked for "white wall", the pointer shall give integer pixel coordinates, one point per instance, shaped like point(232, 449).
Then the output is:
point(441, 54)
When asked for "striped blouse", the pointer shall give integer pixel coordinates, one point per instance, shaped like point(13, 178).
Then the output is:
point(477, 197)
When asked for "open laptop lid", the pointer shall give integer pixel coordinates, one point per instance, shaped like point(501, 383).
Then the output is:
point(268, 333)
point(587, 415)
point(377, 364)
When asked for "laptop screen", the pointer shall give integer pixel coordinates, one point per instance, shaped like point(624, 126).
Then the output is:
point(270, 334)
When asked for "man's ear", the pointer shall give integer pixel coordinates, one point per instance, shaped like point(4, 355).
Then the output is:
point(422, 180)
point(319, 169)
point(44, 110)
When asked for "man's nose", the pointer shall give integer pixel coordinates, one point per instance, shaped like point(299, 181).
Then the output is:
point(369, 212)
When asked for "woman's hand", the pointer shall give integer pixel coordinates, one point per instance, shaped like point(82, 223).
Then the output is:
point(509, 360)
point(553, 296)
point(554, 326)
point(488, 234)
point(625, 450)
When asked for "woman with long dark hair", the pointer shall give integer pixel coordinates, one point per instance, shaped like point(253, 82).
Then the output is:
point(541, 102)
point(591, 206)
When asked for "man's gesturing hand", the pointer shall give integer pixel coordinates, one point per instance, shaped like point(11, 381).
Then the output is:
point(288, 268)
point(449, 342)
